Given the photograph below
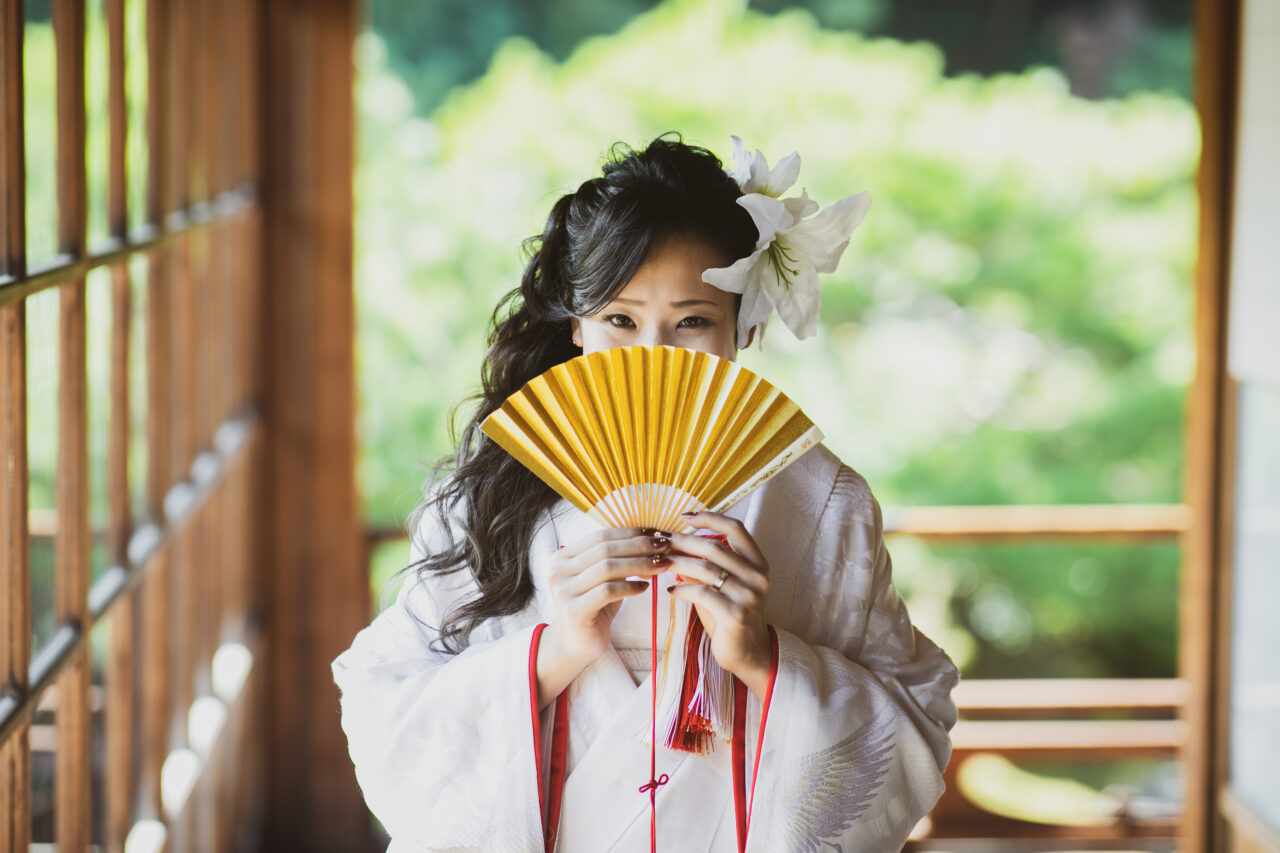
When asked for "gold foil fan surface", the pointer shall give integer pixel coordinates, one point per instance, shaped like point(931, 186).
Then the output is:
point(634, 436)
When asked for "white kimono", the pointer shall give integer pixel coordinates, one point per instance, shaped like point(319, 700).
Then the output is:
point(853, 745)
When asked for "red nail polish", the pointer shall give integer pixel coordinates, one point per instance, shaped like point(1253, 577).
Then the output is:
point(659, 562)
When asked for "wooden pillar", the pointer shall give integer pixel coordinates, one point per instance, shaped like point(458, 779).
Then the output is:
point(15, 571)
point(1202, 660)
point(317, 588)
point(71, 585)
point(121, 672)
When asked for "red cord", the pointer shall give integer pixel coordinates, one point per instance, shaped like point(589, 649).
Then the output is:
point(533, 707)
point(655, 782)
point(741, 805)
point(560, 736)
point(559, 756)
point(559, 748)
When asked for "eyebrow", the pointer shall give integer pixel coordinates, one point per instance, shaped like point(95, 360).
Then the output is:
point(685, 304)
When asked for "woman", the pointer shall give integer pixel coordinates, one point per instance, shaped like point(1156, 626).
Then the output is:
point(447, 697)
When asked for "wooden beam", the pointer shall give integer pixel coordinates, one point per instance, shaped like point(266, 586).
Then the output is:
point(72, 810)
point(176, 280)
point(155, 705)
point(238, 203)
point(1003, 523)
point(15, 575)
point(13, 162)
point(1075, 740)
point(15, 570)
point(1069, 696)
point(69, 35)
point(120, 779)
point(71, 584)
point(309, 418)
point(158, 88)
point(1201, 655)
point(117, 123)
point(1097, 522)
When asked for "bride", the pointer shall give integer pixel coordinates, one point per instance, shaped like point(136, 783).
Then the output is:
point(501, 703)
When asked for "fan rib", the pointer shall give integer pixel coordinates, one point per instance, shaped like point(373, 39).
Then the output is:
point(586, 407)
point(808, 439)
point(556, 442)
point(751, 429)
point(708, 377)
point(685, 367)
point(595, 379)
point(723, 418)
point(546, 400)
point(503, 429)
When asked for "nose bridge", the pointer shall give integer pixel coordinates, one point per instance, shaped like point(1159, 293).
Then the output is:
point(657, 334)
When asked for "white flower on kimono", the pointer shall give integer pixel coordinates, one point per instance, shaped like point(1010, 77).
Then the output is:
point(793, 248)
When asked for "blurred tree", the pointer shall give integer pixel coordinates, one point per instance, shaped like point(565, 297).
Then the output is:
point(1106, 48)
point(436, 46)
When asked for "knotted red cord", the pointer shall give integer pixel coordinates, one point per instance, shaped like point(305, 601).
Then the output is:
point(655, 782)
point(560, 739)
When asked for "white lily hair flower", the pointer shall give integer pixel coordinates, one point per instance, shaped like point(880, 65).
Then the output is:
point(797, 242)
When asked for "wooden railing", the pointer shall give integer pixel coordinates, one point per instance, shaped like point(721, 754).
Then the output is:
point(1063, 720)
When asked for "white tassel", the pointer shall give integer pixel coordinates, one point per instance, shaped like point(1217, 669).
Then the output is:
point(668, 714)
point(714, 695)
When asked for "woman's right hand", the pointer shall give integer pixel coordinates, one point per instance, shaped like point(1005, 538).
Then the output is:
point(587, 581)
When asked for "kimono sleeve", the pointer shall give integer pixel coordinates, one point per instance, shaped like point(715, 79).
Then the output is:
point(442, 743)
point(857, 732)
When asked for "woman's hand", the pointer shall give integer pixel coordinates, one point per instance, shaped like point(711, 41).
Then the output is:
point(729, 588)
point(587, 581)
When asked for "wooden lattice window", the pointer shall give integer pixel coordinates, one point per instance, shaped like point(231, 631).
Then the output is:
point(129, 279)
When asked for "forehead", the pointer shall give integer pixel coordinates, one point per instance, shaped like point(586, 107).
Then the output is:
point(672, 273)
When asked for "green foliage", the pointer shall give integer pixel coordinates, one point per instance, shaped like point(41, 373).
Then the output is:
point(1010, 325)
point(445, 43)
point(1113, 49)
point(40, 129)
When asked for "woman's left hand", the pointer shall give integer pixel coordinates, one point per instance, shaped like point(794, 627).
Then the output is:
point(727, 585)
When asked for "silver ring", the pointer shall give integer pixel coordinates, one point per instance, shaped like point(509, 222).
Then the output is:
point(724, 574)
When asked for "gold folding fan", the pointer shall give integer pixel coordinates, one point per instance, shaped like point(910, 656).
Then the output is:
point(634, 436)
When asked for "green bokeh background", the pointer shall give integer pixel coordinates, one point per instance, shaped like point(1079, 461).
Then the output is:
point(1010, 325)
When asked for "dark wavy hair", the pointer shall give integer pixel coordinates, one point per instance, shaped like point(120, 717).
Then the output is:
point(486, 503)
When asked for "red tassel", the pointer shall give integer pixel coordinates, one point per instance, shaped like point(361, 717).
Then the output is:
point(693, 731)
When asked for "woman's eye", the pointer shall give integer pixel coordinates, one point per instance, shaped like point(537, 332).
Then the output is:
point(693, 323)
point(621, 321)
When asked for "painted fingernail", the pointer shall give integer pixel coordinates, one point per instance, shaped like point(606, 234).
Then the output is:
point(687, 514)
point(672, 588)
point(660, 534)
point(659, 561)
point(659, 543)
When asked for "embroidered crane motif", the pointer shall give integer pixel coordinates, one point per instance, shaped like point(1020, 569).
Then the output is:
point(832, 787)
